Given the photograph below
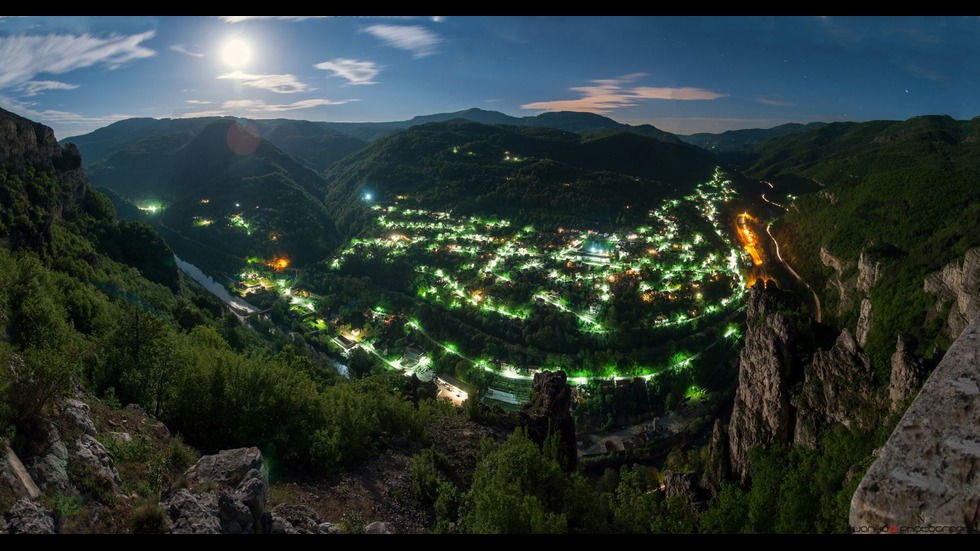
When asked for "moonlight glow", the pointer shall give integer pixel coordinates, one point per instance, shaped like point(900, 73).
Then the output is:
point(236, 52)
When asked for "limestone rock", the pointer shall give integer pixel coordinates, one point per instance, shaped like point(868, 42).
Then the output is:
point(958, 282)
point(869, 270)
point(762, 414)
point(227, 467)
point(50, 468)
point(686, 486)
point(839, 388)
point(78, 413)
point(13, 472)
point(190, 513)
point(550, 406)
point(236, 517)
point(299, 518)
point(864, 322)
point(832, 261)
point(377, 527)
point(231, 486)
point(907, 370)
point(89, 449)
point(28, 517)
point(926, 474)
point(717, 467)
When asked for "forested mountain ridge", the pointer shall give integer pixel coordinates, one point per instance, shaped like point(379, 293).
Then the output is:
point(547, 174)
point(218, 191)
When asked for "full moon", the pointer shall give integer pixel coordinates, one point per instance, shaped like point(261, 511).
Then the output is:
point(236, 52)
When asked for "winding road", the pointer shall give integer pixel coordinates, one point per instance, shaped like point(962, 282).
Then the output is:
point(816, 299)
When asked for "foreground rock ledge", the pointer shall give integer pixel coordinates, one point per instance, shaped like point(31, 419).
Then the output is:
point(927, 477)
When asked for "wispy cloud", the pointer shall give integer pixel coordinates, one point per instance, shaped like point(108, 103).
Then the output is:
point(35, 87)
point(256, 105)
point(179, 48)
point(240, 18)
point(195, 114)
point(770, 101)
point(418, 40)
point(198, 102)
point(282, 84)
point(610, 94)
point(356, 72)
point(22, 57)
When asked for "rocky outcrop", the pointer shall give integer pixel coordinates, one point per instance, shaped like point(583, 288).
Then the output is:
point(832, 261)
point(960, 283)
point(13, 473)
point(685, 485)
point(907, 371)
point(227, 494)
point(925, 477)
point(716, 466)
point(50, 467)
point(296, 519)
point(24, 140)
point(864, 322)
point(762, 414)
point(28, 517)
point(190, 513)
point(839, 388)
point(77, 413)
point(90, 450)
point(869, 271)
point(549, 409)
point(377, 527)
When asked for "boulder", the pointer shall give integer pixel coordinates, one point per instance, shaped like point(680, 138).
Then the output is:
point(28, 517)
point(14, 473)
point(377, 527)
point(231, 487)
point(91, 451)
point(50, 468)
point(77, 413)
point(190, 513)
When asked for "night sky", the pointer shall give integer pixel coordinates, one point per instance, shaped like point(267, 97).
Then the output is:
point(684, 75)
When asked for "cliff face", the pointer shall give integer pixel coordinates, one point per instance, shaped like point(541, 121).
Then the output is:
point(763, 414)
point(24, 140)
point(839, 389)
point(960, 283)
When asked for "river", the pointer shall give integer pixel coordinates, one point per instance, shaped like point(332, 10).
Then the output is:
point(216, 289)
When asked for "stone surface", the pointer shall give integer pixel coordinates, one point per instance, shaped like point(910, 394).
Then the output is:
point(762, 414)
point(296, 519)
point(190, 513)
point(229, 488)
point(13, 471)
point(50, 468)
point(864, 322)
point(77, 413)
point(907, 371)
point(926, 475)
point(958, 282)
point(377, 527)
point(28, 517)
point(869, 270)
point(89, 449)
point(550, 409)
point(838, 388)
point(686, 486)
point(716, 467)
